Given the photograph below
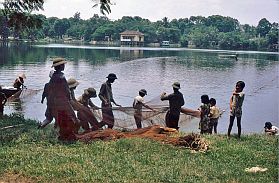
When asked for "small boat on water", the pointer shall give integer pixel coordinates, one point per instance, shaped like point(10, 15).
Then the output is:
point(234, 56)
point(11, 92)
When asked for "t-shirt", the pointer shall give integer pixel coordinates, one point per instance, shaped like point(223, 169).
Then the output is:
point(237, 100)
point(138, 103)
point(176, 100)
point(214, 112)
point(276, 129)
point(85, 101)
point(106, 92)
point(236, 104)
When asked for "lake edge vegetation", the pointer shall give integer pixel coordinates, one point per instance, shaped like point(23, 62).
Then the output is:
point(212, 32)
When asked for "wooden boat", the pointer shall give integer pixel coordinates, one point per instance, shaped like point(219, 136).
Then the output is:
point(11, 92)
point(234, 56)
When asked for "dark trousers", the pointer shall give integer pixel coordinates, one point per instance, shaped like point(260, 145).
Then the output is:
point(238, 119)
point(66, 126)
point(1, 110)
point(108, 117)
point(213, 125)
point(172, 120)
point(138, 119)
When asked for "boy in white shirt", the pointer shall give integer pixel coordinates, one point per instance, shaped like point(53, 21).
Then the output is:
point(137, 105)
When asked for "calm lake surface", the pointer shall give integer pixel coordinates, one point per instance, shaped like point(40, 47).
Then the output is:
point(155, 69)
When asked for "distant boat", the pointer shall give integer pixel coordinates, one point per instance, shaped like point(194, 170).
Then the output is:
point(234, 56)
point(11, 92)
point(165, 43)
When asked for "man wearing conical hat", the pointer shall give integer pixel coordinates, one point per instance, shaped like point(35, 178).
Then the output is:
point(19, 82)
point(176, 101)
point(86, 117)
point(106, 97)
point(59, 102)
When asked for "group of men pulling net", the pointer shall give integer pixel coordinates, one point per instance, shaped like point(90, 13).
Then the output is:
point(124, 116)
point(150, 117)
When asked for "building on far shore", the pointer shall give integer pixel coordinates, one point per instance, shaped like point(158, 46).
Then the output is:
point(133, 38)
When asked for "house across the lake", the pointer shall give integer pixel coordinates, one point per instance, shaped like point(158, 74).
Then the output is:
point(134, 38)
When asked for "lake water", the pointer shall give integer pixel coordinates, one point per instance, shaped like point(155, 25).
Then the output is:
point(155, 69)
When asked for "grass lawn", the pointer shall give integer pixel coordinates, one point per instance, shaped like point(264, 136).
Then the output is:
point(31, 155)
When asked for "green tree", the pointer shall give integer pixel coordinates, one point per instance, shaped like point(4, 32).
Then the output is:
point(263, 27)
point(203, 37)
point(22, 6)
point(184, 41)
point(165, 22)
point(251, 30)
point(20, 22)
point(4, 29)
point(197, 20)
point(223, 24)
point(103, 31)
point(272, 37)
point(61, 26)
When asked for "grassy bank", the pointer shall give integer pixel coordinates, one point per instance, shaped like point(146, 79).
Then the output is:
point(28, 154)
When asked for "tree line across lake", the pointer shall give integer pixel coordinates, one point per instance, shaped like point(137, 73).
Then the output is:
point(212, 32)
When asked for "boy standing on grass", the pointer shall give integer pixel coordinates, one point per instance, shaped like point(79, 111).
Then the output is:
point(213, 115)
point(204, 110)
point(236, 102)
point(137, 105)
point(3, 100)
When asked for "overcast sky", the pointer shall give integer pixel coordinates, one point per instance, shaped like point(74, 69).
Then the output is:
point(246, 11)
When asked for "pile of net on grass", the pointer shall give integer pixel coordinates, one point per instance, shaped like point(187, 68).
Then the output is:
point(124, 116)
point(155, 132)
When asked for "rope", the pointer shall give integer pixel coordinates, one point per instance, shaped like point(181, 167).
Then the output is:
point(7, 127)
point(262, 86)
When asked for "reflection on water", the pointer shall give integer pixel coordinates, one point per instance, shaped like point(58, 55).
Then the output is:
point(199, 72)
point(131, 54)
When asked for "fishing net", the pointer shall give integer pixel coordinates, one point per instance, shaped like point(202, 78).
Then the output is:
point(28, 93)
point(156, 132)
point(22, 94)
point(124, 116)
